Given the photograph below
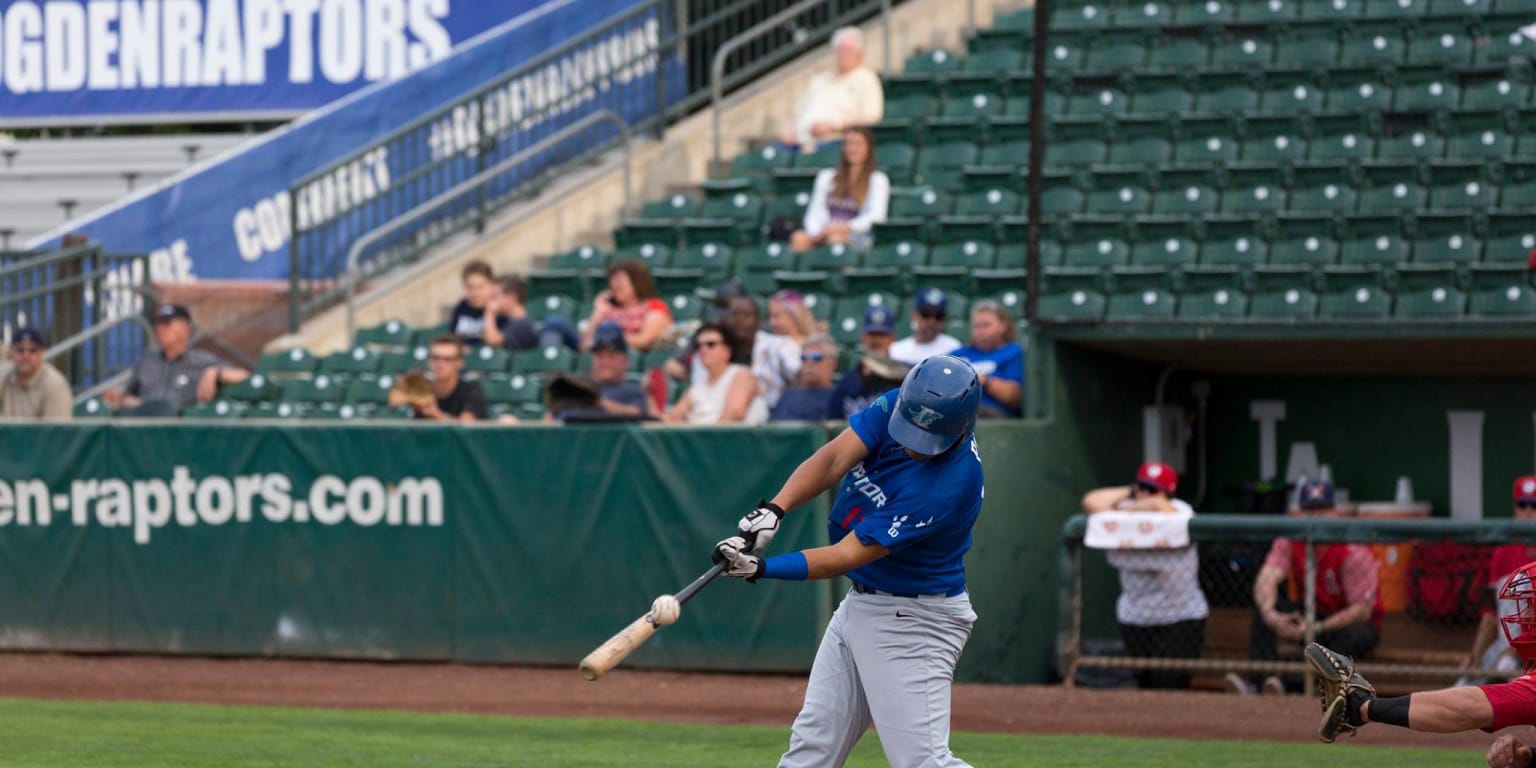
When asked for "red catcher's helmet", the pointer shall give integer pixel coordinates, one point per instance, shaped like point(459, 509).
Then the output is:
point(1520, 626)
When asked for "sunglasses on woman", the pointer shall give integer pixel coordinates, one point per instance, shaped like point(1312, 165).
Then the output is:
point(812, 357)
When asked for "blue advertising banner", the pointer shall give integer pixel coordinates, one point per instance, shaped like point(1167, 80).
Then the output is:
point(199, 59)
point(230, 218)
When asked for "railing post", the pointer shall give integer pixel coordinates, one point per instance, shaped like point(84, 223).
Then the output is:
point(293, 261)
point(885, 31)
point(1309, 588)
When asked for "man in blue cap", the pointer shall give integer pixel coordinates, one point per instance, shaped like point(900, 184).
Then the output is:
point(928, 337)
point(175, 375)
point(909, 489)
point(33, 388)
point(875, 372)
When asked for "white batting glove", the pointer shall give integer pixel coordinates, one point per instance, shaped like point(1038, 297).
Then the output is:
point(738, 564)
point(758, 526)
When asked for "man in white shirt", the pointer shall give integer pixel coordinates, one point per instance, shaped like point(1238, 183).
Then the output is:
point(834, 101)
point(928, 337)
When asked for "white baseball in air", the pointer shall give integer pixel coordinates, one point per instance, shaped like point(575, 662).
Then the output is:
point(665, 610)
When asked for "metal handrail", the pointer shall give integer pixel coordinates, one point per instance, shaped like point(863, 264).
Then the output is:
point(717, 66)
point(463, 187)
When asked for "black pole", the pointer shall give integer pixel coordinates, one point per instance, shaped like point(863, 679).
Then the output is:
point(1036, 156)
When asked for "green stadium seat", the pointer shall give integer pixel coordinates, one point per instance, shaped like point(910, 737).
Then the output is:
point(941, 166)
point(1321, 188)
point(487, 361)
point(1179, 53)
point(1446, 239)
point(652, 254)
point(834, 257)
point(1214, 293)
point(1404, 9)
point(760, 163)
point(421, 337)
point(1141, 293)
point(902, 254)
point(1009, 144)
point(1226, 93)
point(996, 201)
point(1340, 137)
point(1376, 241)
point(320, 389)
point(848, 315)
point(1144, 142)
point(636, 233)
point(1428, 292)
point(1519, 187)
point(1186, 191)
point(1099, 100)
point(372, 393)
point(826, 155)
point(925, 202)
point(1303, 240)
point(1425, 89)
point(257, 388)
point(1391, 187)
point(285, 410)
point(995, 61)
point(544, 360)
point(1315, 43)
point(1071, 294)
point(547, 306)
point(895, 230)
point(1204, 12)
point(217, 409)
point(1163, 242)
point(518, 389)
point(789, 182)
point(1291, 92)
point(1411, 142)
point(1011, 29)
point(357, 362)
point(960, 229)
point(1005, 286)
point(745, 208)
point(1144, 15)
point(970, 108)
point(1268, 11)
point(1359, 90)
point(1274, 140)
point(1013, 253)
point(1460, 7)
point(1479, 135)
point(1283, 293)
point(1160, 95)
point(92, 408)
point(1461, 186)
point(712, 260)
point(1504, 41)
point(1253, 189)
point(1502, 291)
point(1374, 44)
point(1087, 16)
point(1095, 242)
point(1331, 10)
point(1117, 191)
point(1495, 93)
point(1117, 51)
point(562, 282)
point(1252, 50)
point(959, 256)
point(1076, 142)
point(678, 206)
point(1354, 293)
point(388, 335)
point(935, 61)
point(1511, 237)
point(1212, 140)
point(1067, 52)
point(897, 161)
point(1230, 241)
point(395, 363)
point(1440, 41)
point(1060, 194)
point(293, 363)
point(913, 106)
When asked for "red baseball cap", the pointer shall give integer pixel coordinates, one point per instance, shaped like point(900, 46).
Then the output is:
point(1156, 474)
point(1525, 488)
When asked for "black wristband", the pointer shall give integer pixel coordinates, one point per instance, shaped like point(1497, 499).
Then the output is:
point(1393, 711)
point(772, 507)
point(758, 572)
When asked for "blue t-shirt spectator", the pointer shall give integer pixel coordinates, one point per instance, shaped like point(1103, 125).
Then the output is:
point(802, 404)
point(1004, 362)
point(624, 393)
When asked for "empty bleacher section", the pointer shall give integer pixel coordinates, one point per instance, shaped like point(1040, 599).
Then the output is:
point(46, 182)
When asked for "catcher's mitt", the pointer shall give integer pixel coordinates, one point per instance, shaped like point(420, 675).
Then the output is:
point(1341, 689)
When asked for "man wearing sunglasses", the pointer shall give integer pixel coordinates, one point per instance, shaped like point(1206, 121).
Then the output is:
point(33, 388)
point(807, 399)
point(928, 337)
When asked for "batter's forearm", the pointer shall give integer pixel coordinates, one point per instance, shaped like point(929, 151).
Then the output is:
point(822, 470)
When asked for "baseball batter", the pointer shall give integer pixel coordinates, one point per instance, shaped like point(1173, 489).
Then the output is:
point(910, 490)
point(1350, 701)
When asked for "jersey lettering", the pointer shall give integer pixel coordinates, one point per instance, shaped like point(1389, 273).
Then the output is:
point(862, 482)
point(895, 529)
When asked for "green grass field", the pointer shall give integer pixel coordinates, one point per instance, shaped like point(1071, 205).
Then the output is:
point(67, 734)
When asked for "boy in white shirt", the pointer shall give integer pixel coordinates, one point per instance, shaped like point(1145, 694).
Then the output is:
point(928, 337)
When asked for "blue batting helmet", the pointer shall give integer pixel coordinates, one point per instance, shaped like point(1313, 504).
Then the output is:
point(937, 405)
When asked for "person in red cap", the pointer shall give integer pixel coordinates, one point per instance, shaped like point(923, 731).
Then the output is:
point(1348, 598)
point(1489, 649)
point(1161, 610)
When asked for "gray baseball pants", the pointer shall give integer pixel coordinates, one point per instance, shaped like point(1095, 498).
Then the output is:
point(886, 661)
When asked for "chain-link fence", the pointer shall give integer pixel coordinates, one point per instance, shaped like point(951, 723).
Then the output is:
point(1414, 600)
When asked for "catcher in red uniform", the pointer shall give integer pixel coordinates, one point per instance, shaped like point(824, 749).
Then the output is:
point(1349, 700)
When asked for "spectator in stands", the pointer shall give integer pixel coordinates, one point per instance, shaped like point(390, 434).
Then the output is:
point(876, 372)
point(477, 318)
point(610, 362)
point(1161, 610)
point(928, 337)
point(1349, 609)
point(836, 101)
point(998, 360)
point(457, 399)
point(631, 301)
point(727, 393)
point(518, 331)
point(33, 388)
point(174, 376)
point(807, 399)
point(1490, 649)
point(846, 201)
point(775, 360)
point(790, 318)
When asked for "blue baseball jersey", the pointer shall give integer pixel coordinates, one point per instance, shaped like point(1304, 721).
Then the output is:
point(1005, 362)
point(922, 511)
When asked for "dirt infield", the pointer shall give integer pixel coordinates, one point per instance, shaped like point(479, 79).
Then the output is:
point(657, 696)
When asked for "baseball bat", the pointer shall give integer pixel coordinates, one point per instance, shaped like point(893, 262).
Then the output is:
point(625, 641)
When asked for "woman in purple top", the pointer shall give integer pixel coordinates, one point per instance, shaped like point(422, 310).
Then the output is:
point(848, 200)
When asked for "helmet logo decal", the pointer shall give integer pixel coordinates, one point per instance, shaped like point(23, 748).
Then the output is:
point(924, 417)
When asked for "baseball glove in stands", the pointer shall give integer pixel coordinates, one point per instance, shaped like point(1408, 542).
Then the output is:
point(1341, 689)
